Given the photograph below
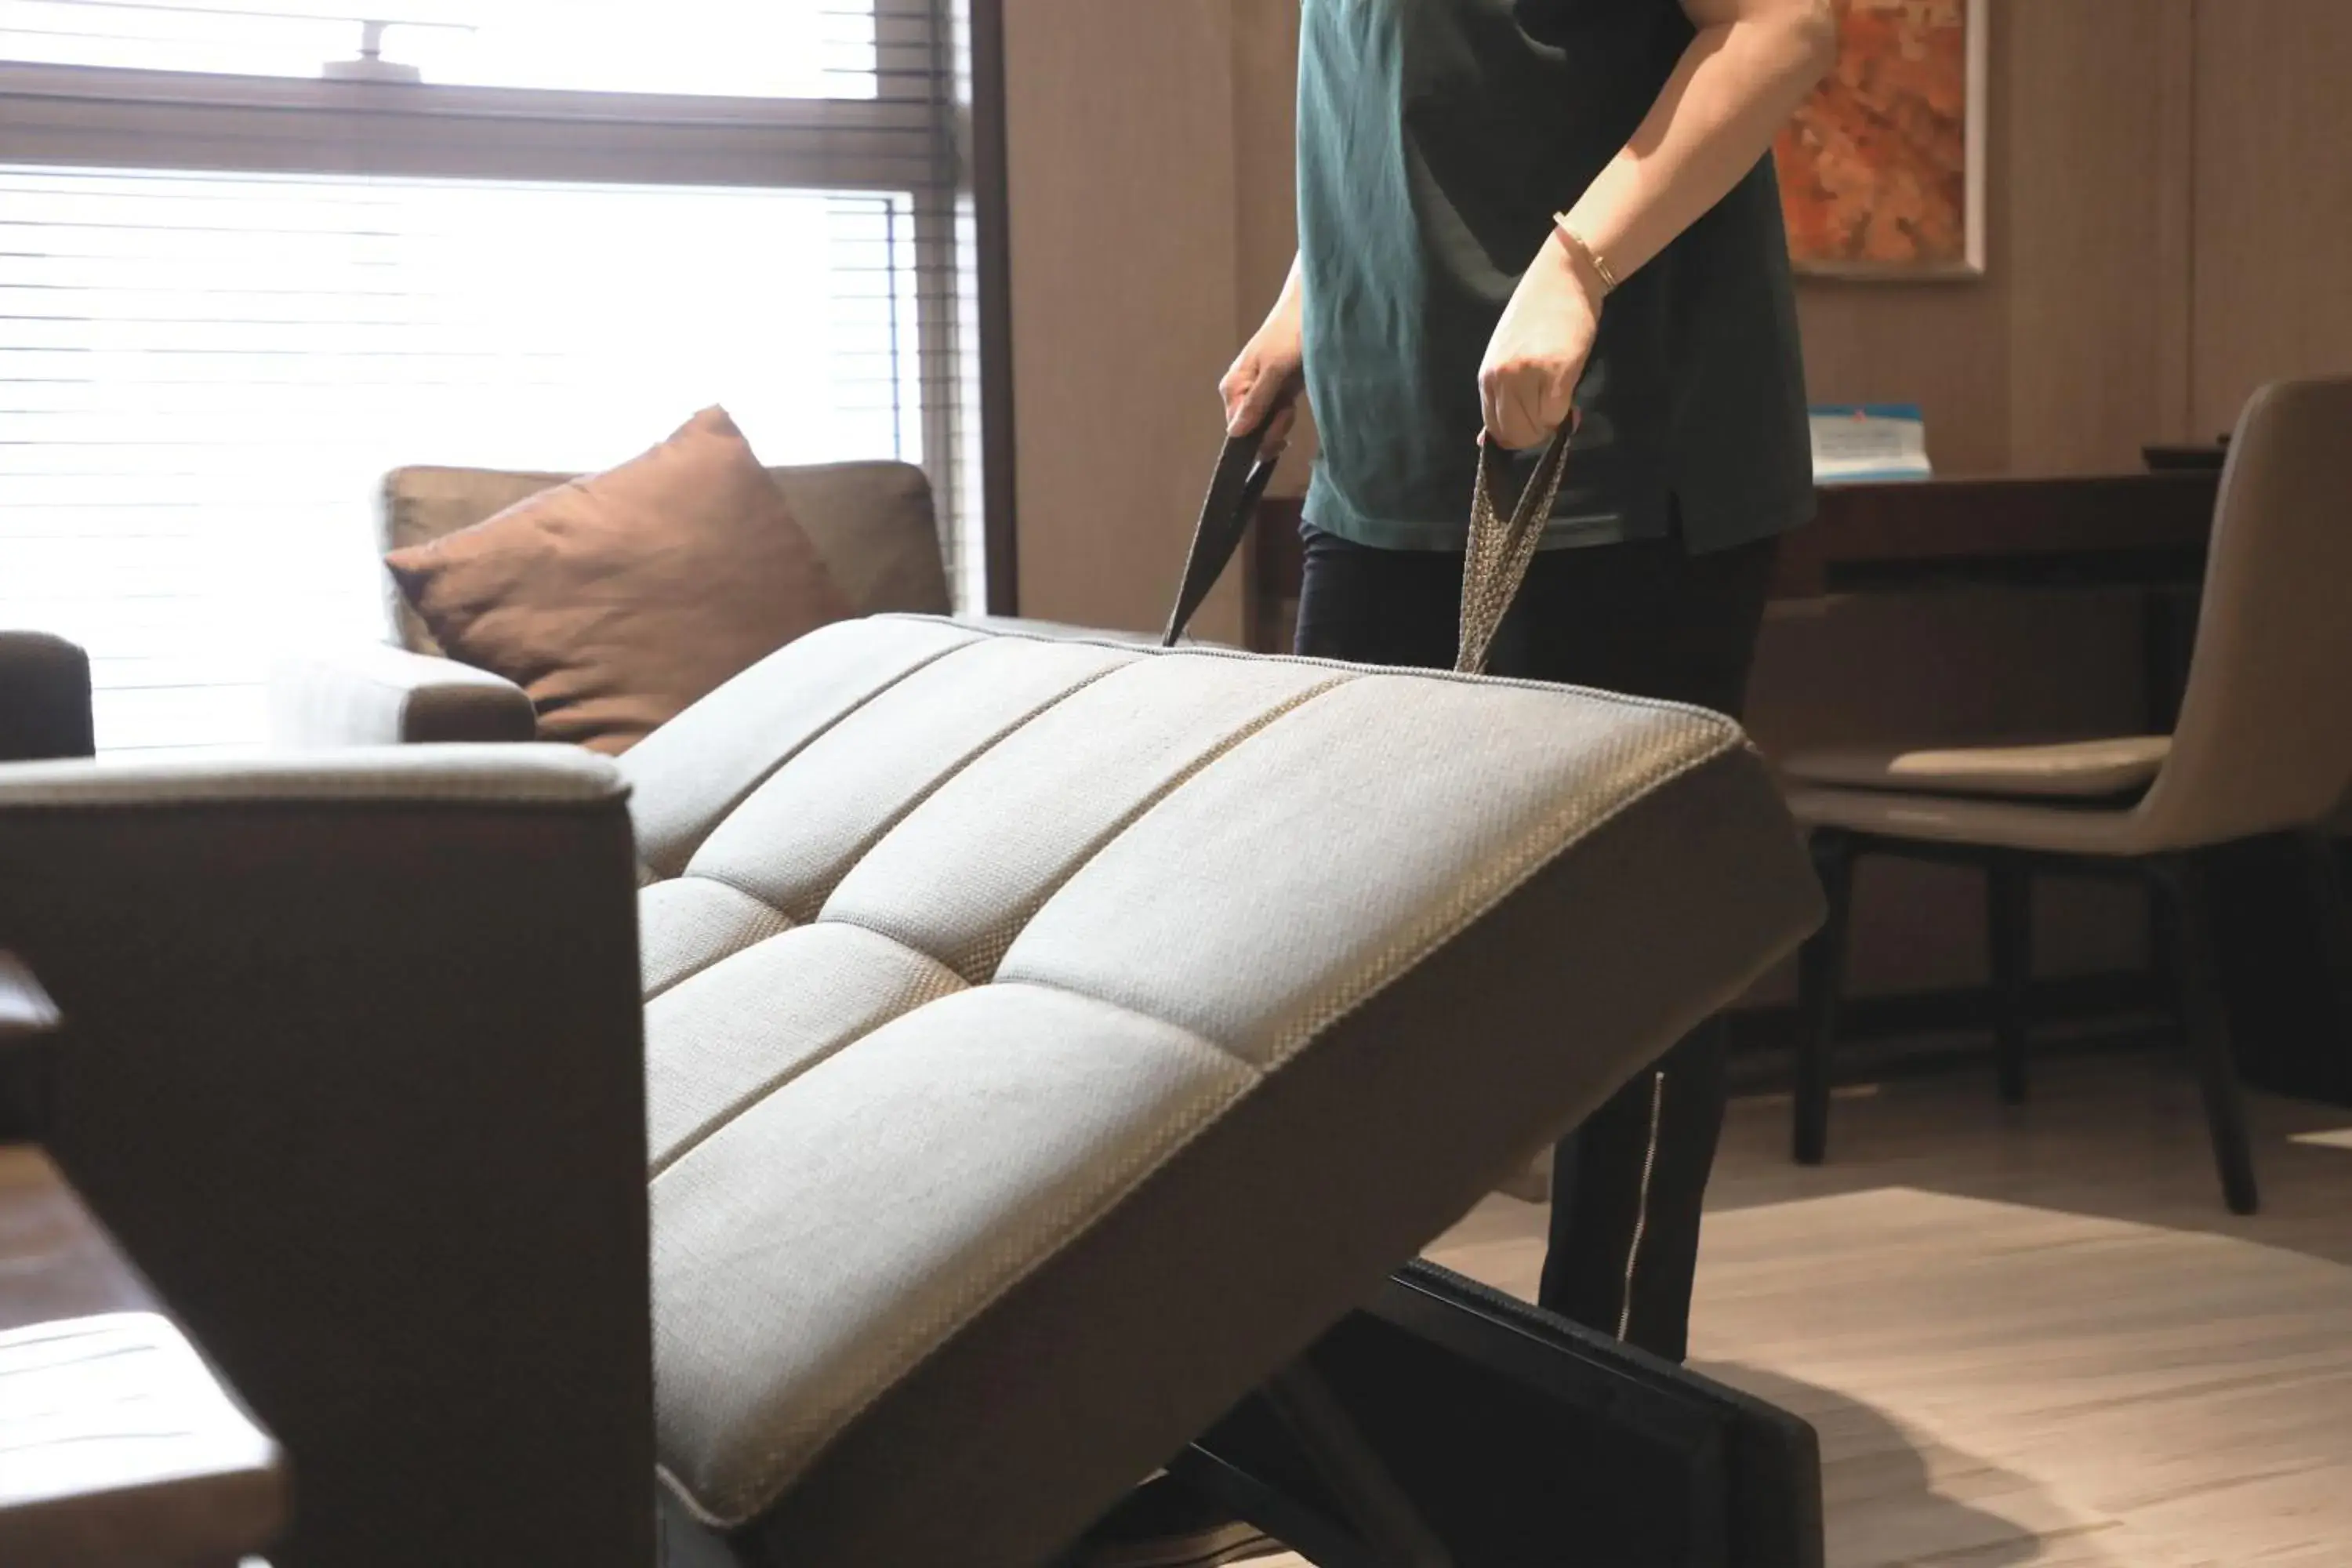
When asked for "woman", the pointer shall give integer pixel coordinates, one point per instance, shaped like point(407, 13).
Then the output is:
point(1512, 215)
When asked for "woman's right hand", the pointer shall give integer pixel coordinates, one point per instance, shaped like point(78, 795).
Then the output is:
point(1267, 380)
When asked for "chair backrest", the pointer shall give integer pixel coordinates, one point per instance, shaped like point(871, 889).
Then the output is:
point(2265, 740)
point(872, 523)
point(44, 698)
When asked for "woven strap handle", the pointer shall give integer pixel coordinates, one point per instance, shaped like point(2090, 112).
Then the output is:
point(1501, 548)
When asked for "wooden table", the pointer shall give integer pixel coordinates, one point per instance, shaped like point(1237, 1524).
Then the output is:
point(2148, 529)
point(2102, 529)
point(119, 1445)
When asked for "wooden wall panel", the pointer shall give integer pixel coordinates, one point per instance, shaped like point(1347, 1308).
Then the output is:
point(2071, 352)
point(1266, 112)
point(2273, 197)
point(2176, 257)
point(2096, 275)
point(1944, 346)
point(1120, 133)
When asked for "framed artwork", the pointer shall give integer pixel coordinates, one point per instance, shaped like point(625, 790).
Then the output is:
point(1883, 170)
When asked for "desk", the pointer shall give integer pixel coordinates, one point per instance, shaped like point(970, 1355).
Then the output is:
point(2146, 530)
point(2097, 530)
point(2124, 531)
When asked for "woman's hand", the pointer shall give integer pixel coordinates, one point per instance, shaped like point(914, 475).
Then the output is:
point(1264, 386)
point(1527, 383)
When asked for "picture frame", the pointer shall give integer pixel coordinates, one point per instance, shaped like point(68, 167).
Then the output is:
point(1883, 170)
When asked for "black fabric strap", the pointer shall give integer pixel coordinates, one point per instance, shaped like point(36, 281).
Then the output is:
point(1235, 491)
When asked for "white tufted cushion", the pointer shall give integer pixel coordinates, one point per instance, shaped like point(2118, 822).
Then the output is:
point(1046, 1036)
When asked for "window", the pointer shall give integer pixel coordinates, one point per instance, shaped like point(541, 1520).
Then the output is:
point(233, 294)
point(765, 49)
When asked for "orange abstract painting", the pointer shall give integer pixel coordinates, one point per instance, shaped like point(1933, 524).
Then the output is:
point(1879, 170)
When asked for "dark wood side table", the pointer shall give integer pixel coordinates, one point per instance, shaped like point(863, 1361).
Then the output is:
point(2095, 530)
point(119, 1445)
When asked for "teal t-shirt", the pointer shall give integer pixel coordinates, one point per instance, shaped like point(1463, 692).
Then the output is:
point(1436, 139)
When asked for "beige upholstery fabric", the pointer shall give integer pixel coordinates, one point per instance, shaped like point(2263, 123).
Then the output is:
point(1142, 734)
point(552, 775)
point(746, 1027)
point(1405, 879)
point(373, 694)
point(2265, 742)
point(689, 925)
point(873, 524)
point(2050, 770)
point(695, 768)
point(799, 833)
point(1069, 1031)
point(877, 527)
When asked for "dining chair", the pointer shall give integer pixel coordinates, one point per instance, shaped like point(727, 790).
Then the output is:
point(2263, 746)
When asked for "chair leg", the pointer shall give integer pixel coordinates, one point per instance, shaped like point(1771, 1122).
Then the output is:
point(2332, 912)
point(2009, 904)
point(2206, 1022)
point(1820, 975)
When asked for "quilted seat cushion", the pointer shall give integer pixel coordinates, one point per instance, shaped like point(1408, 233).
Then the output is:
point(1047, 1038)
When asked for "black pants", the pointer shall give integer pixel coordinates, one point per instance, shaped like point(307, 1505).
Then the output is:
point(1644, 617)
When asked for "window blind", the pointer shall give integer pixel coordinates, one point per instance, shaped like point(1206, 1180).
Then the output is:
point(794, 48)
point(233, 295)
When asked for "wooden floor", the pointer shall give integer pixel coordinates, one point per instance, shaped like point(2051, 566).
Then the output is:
point(2034, 1335)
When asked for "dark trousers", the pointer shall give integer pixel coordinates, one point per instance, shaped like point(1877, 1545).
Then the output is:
point(1648, 618)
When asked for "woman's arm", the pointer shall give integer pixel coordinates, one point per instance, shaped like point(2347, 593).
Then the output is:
point(1752, 65)
point(1264, 384)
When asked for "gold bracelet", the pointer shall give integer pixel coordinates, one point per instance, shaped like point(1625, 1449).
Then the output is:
point(1576, 242)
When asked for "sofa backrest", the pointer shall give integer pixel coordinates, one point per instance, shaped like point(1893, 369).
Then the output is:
point(872, 523)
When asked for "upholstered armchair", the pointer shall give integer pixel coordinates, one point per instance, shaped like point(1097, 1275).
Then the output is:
point(872, 522)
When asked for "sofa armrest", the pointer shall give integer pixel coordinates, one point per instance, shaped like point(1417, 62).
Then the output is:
point(44, 698)
point(377, 695)
point(352, 1064)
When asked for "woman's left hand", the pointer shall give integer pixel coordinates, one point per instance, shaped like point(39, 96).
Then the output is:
point(1527, 383)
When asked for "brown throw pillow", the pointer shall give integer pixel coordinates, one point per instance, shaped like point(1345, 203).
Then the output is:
point(618, 599)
